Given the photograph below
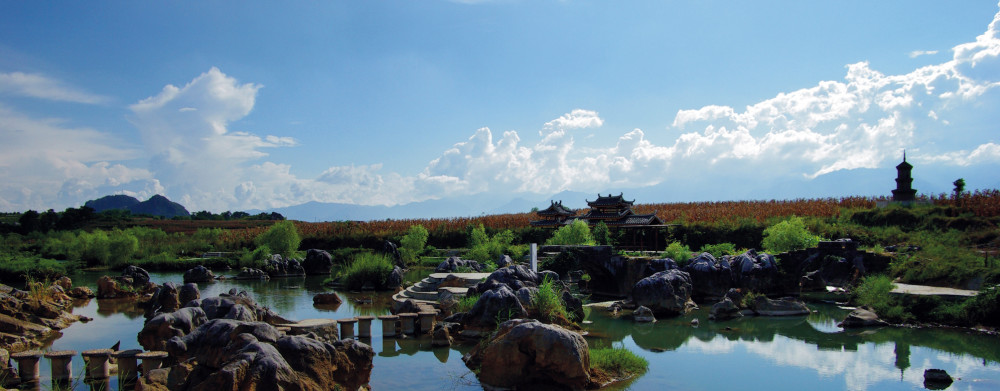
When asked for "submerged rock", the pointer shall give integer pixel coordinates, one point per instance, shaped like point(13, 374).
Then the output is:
point(861, 317)
point(780, 307)
point(643, 315)
point(724, 310)
point(198, 274)
point(528, 352)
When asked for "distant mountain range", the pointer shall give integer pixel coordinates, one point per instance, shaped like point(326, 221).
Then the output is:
point(156, 205)
point(858, 182)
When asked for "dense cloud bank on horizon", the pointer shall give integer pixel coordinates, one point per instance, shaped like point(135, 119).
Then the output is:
point(943, 114)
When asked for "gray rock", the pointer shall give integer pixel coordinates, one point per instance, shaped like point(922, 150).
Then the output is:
point(780, 307)
point(198, 274)
point(643, 315)
point(452, 264)
point(514, 277)
point(279, 266)
point(317, 262)
point(187, 293)
point(665, 293)
point(861, 317)
point(500, 303)
point(574, 306)
point(527, 352)
point(547, 274)
point(724, 310)
point(139, 276)
point(249, 273)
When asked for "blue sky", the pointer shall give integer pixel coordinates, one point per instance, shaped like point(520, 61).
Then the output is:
point(243, 105)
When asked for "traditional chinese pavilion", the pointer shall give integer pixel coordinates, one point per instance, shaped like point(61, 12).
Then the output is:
point(556, 215)
point(636, 231)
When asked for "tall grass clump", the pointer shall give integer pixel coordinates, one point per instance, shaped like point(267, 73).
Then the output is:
point(368, 268)
point(617, 362)
point(466, 303)
point(788, 235)
point(549, 304)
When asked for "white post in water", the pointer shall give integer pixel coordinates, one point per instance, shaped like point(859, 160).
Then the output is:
point(534, 257)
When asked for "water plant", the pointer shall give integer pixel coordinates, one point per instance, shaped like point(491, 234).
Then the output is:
point(368, 268)
point(548, 304)
point(617, 361)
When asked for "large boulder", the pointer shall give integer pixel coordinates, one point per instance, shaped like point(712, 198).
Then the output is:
point(327, 298)
point(753, 272)
point(187, 293)
point(279, 266)
point(317, 262)
point(235, 355)
point(138, 275)
point(395, 279)
point(392, 251)
point(452, 264)
point(504, 261)
point(710, 277)
point(165, 299)
point(163, 326)
point(198, 274)
point(234, 306)
point(249, 273)
point(665, 293)
point(724, 310)
point(574, 306)
point(527, 352)
point(514, 277)
point(500, 303)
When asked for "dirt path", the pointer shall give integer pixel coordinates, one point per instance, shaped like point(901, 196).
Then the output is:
point(924, 290)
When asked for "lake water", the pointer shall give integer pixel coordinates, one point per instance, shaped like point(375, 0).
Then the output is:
point(795, 353)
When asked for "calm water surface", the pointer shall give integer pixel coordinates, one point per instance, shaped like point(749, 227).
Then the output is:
point(797, 353)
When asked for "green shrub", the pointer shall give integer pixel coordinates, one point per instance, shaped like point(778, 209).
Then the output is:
point(256, 259)
point(548, 304)
point(576, 233)
point(368, 268)
point(788, 235)
point(718, 250)
point(412, 244)
point(618, 362)
point(873, 292)
point(678, 252)
point(282, 238)
point(466, 303)
point(750, 300)
point(602, 235)
point(483, 247)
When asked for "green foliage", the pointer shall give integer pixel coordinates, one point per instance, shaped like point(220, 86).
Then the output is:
point(678, 252)
point(368, 268)
point(602, 235)
point(122, 247)
point(576, 233)
point(750, 300)
point(718, 250)
point(466, 303)
point(548, 304)
point(16, 266)
point(873, 292)
point(483, 247)
point(618, 362)
point(944, 258)
point(282, 238)
point(256, 259)
point(412, 244)
point(788, 235)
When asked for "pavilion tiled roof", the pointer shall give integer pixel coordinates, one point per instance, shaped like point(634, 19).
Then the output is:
point(610, 200)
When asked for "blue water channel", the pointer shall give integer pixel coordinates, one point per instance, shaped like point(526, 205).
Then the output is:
point(794, 353)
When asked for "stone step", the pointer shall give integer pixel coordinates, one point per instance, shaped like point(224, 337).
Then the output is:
point(424, 286)
point(429, 296)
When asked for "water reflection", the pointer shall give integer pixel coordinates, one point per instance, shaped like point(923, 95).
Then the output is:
point(808, 352)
